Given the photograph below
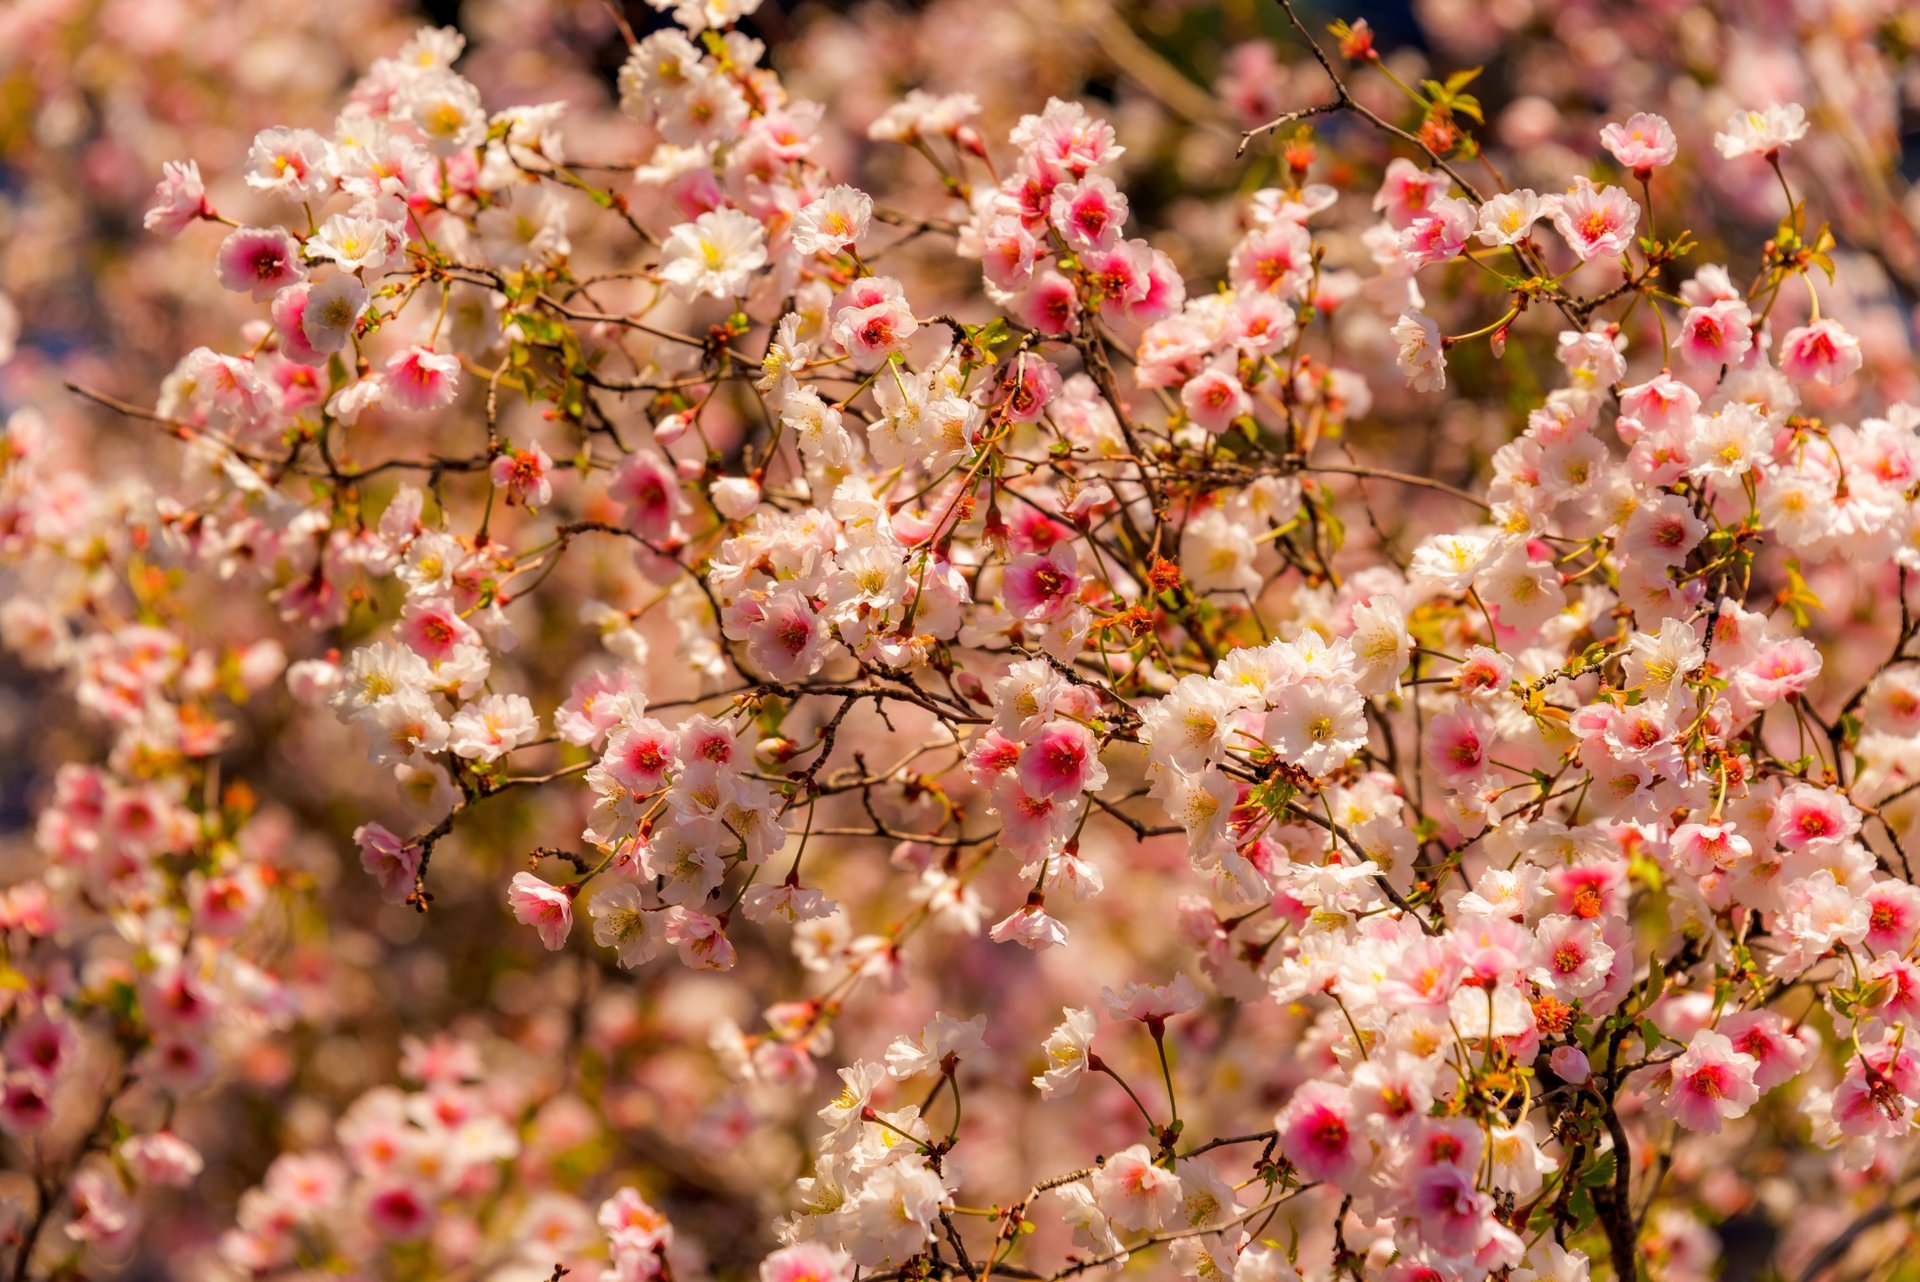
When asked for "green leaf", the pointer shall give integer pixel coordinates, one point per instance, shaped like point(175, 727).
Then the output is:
point(1600, 1171)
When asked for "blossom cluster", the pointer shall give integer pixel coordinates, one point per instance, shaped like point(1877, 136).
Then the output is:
point(1493, 883)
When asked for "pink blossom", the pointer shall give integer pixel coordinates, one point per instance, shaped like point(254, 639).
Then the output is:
point(260, 260)
point(524, 475)
point(545, 907)
point(178, 200)
point(871, 319)
point(1316, 1133)
point(1821, 352)
point(1717, 334)
point(421, 379)
point(1062, 760)
point(1214, 399)
point(1598, 222)
point(1644, 143)
point(1712, 1083)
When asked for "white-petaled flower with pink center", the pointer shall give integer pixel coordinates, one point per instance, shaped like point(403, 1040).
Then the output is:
point(871, 320)
point(1422, 357)
point(260, 260)
point(1822, 351)
point(830, 224)
point(179, 199)
point(1406, 191)
point(1088, 214)
point(1458, 744)
point(785, 637)
point(1711, 1083)
point(1598, 222)
point(1810, 818)
point(1439, 235)
point(1275, 259)
point(162, 1158)
point(523, 474)
point(1134, 1192)
point(1779, 1050)
point(432, 627)
point(1704, 848)
point(1214, 398)
point(1761, 133)
point(421, 379)
point(291, 163)
point(639, 755)
point(714, 255)
point(1717, 334)
point(1315, 1133)
point(1038, 586)
point(1643, 143)
point(545, 907)
point(630, 1220)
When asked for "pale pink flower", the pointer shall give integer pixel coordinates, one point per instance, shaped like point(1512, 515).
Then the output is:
point(388, 860)
point(1275, 259)
point(162, 1158)
point(1406, 191)
point(701, 940)
point(1598, 222)
point(421, 379)
point(1822, 351)
point(807, 1262)
point(1135, 1193)
point(524, 475)
point(545, 907)
point(1644, 143)
point(179, 200)
point(1718, 334)
point(1088, 214)
point(871, 320)
point(1439, 235)
point(1030, 926)
point(1214, 398)
point(1711, 1083)
point(1507, 218)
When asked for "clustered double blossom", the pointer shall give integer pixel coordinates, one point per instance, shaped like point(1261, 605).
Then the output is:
point(1529, 854)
